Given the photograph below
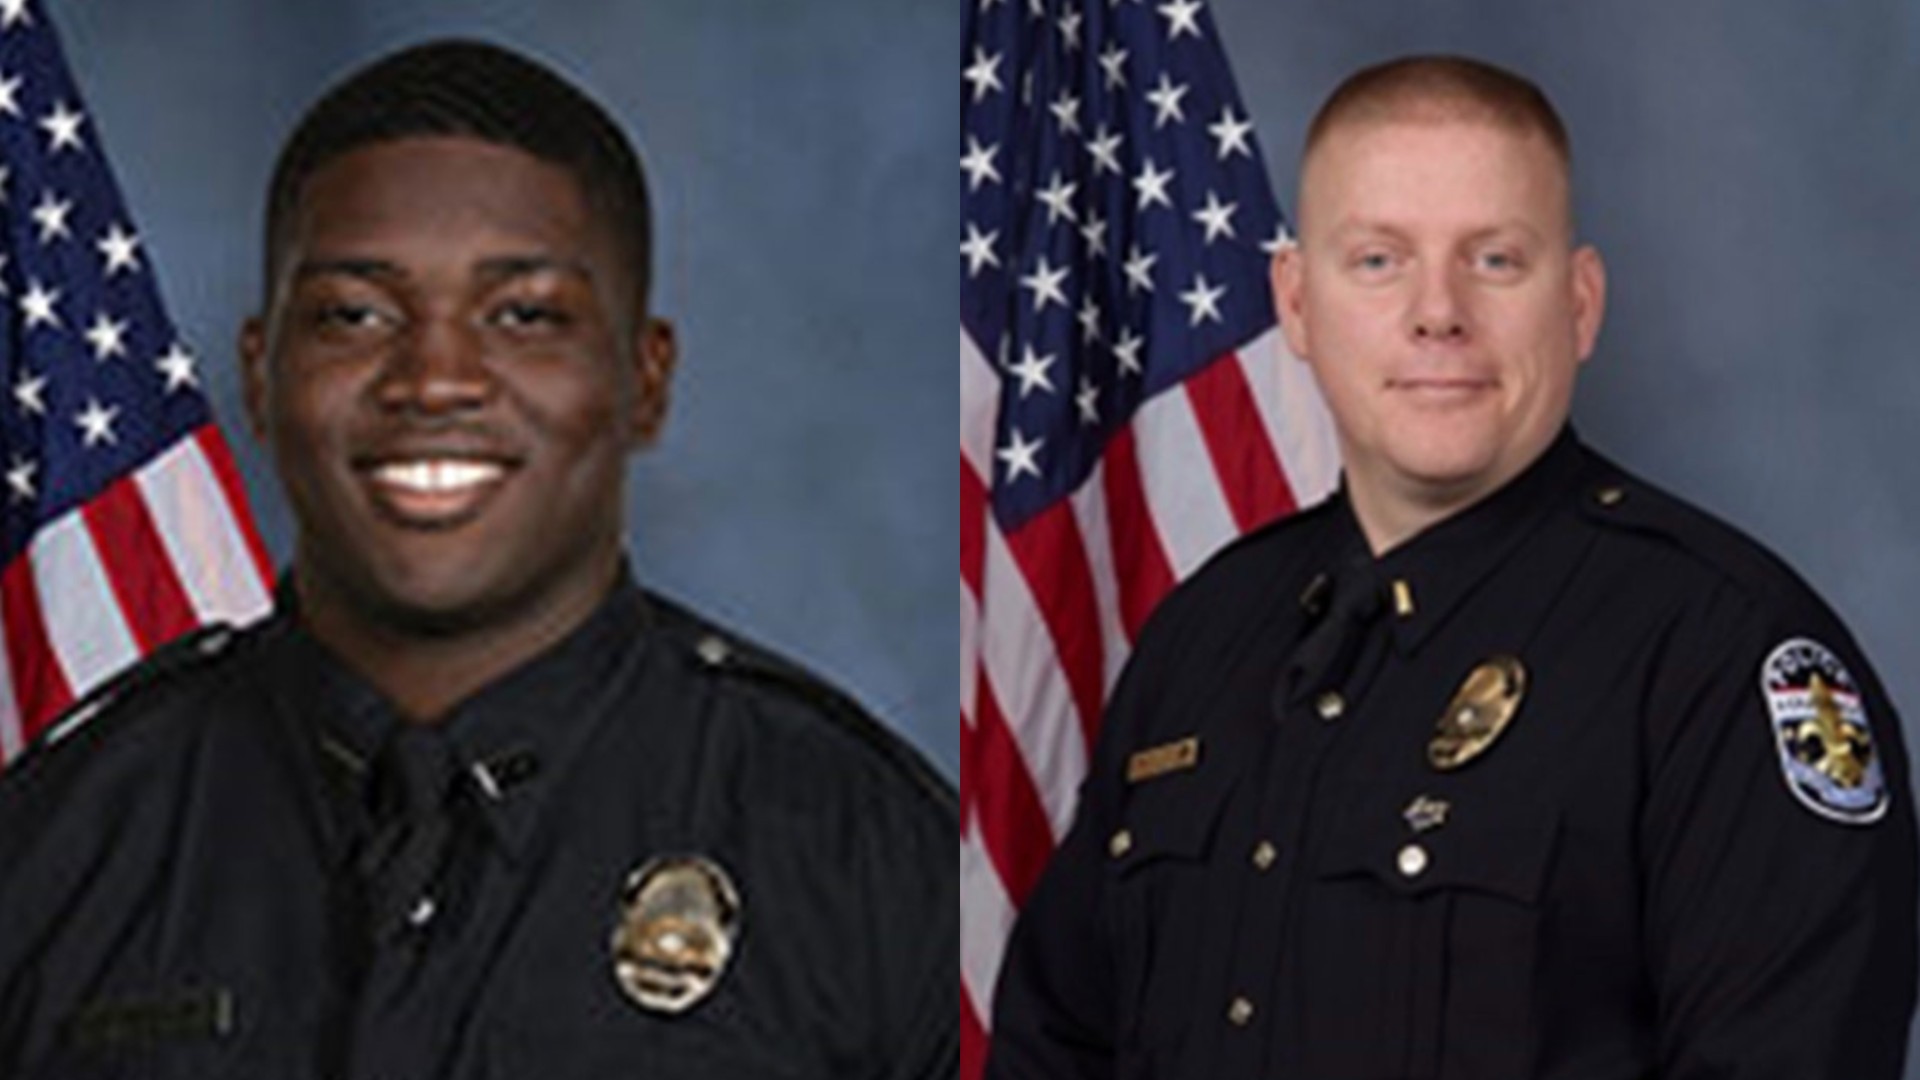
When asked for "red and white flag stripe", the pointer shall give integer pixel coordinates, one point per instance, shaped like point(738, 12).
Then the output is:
point(160, 551)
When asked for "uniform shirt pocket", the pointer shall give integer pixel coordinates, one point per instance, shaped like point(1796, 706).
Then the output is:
point(1159, 861)
point(1431, 940)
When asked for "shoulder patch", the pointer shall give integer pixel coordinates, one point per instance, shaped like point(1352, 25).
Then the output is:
point(1825, 740)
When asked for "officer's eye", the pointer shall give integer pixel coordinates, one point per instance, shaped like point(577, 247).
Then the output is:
point(1372, 261)
point(1499, 261)
point(527, 314)
point(344, 315)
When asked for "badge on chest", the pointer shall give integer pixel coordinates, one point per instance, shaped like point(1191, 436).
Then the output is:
point(678, 928)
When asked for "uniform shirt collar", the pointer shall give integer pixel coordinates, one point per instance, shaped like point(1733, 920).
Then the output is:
point(515, 738)
point(1425, 578)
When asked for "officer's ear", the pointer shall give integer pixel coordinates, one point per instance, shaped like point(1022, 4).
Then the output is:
point(253, 375)
point(653, 354)
point(1589, 284)
point(1289, 302)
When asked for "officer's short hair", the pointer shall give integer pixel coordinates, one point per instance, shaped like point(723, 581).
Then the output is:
point(482, 91)
point(1438, 89)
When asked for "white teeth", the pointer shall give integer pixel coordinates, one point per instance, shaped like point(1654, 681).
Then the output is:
point(437, 476)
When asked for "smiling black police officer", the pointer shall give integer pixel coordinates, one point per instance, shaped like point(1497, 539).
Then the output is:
point(1501, 763)
point(470, 803)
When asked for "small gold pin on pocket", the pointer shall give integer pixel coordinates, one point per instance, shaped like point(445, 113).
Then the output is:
point(1161, 760)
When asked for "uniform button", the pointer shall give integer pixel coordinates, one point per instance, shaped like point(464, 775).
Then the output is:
point(1263, 855)
point(1609, 496)
point(1240, 1012)
point(713, 650)
point(422, 912)
point(1412, 860)
point(1120, 843)
point(1330, 705)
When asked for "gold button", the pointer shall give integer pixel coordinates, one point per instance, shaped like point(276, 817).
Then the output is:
point(1609, 496)
point(1412, 860)
point(1240, 1012)
point(1263, 855)
point(1330, 705)
point(1120, 844)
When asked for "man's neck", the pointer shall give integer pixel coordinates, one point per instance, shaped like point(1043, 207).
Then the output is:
point(1390, 518)
point(424, 671)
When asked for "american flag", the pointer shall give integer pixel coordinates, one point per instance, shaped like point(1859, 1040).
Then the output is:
point(1127, 404)
point(124, 521)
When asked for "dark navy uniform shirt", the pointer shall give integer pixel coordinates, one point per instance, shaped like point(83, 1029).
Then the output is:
point(1688, 853)
point(179, 899)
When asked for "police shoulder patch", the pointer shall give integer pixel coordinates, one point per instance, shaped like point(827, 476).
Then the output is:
point(1820, 727)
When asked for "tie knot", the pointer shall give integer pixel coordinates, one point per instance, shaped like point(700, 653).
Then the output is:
point(415, 772)
point(1356, 591)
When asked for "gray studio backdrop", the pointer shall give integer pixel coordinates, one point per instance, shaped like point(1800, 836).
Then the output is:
point(799, 156)
point(1751, 171)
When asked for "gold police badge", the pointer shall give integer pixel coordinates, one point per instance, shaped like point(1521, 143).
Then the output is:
point(1478, 713)
point(679, 925)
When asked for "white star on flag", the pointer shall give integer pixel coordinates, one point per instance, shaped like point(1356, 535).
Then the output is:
point(1165, 99)
point(106, 336)
point(1104, 148)
point(1113, 60)
point(1058, 197)
point(1203, 300)
point(62, 126)
point(1045, 281)
point(1088, 401)
point(1182, 17)
point(177, 365)
point(1094, 232)
point(117, 247)
point(29, 393)
point(36, 305)
point(9, 88)
point(1231, 133)
point(96, 423)
point(1032, 372)
point(51, 215)
point(1127, 351)
point(1152, 186)
point(20, 478)
point(978, 164)
point(978, 249)
point(984, 74)
point(1066, 110)
point(1020, 455)
point(1139, 270)
point(1216, 218)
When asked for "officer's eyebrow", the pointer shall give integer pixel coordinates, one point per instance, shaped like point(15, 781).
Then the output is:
point(493, 268)
point(506, 267)
point(347, 266)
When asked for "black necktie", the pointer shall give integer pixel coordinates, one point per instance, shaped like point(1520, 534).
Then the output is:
point(1350, 600)
point(413, 784)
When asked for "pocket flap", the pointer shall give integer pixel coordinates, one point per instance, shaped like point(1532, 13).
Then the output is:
point(1490, 845)
point(1171, 817)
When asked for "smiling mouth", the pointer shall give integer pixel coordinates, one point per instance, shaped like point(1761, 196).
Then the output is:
point(434, 492)
point(1443, 390)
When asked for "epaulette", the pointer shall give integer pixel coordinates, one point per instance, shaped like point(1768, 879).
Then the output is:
point(171, 660)
point(1614, 498)
point(729, 655)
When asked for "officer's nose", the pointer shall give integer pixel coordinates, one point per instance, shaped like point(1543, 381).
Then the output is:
point(1438, 313)
point(436, 366)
